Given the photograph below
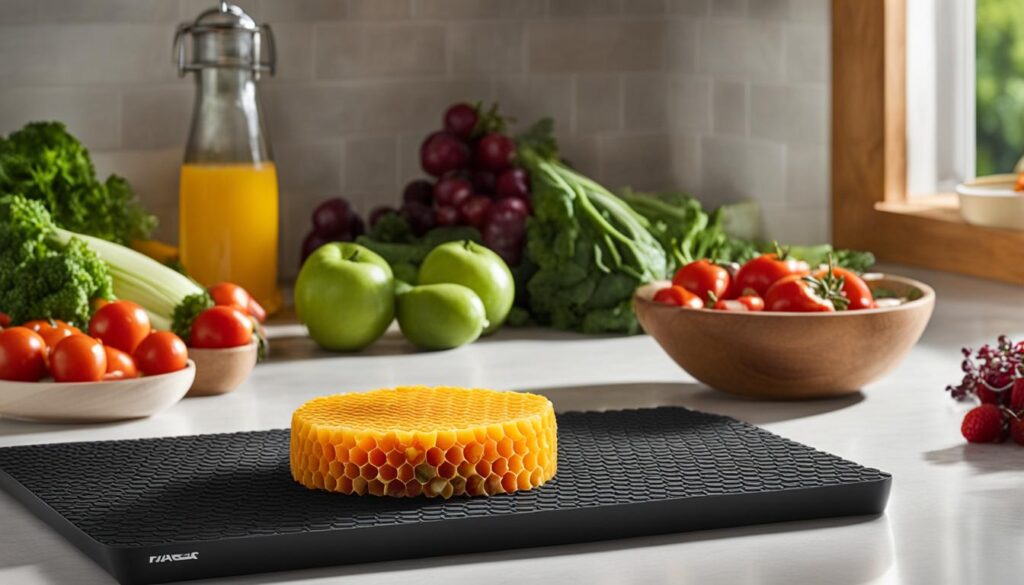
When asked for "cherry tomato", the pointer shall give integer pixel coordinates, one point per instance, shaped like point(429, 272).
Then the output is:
point(796, 295)
point(78, 358)
point(120, 365)
point(5, 319)
point(22, 355)
point(53, 334)
point(752, 303)
point(703, 277)
point(762, 272)
point(219, 327)
point(38, 325)
point(161, 352)
point(226, 294)
point(854, 288)
point(678, 296)
point(120, 324)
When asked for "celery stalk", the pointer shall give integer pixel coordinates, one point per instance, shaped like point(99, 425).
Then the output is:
point(139, 278)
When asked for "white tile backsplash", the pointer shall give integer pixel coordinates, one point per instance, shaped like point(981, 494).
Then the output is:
point(726, 99)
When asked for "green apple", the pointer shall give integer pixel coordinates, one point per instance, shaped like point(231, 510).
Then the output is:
point(345, 296)
point(477, 267)
point(441, 316)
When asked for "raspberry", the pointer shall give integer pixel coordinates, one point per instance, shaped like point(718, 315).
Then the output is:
point(984, 424)
point(989, 396)
point(1017, 430)
point(1017, 396)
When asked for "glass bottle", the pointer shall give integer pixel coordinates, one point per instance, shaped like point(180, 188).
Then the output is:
point(228, 201)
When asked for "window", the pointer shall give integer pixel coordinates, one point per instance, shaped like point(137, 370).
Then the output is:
point(875, 117)
point(965, 91)
point(999, 60)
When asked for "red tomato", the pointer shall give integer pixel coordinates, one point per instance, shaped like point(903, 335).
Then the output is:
point(38, 325)
point(22, 355)
point(5, 319)
point(752, 303)
point(796, 295)
point(854, 288)
point(678, 296)
point(226, 294)
point(762, 272)
point(703, 277)
point(78, 358)
point(161, 352)
point(120, 365)
point(219, 327)
point(120, 324)
point(53, 334)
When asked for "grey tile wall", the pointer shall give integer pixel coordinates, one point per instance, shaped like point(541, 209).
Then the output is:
point(727, 99)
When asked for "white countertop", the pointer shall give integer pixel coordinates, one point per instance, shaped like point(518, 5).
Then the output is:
point(956, 513)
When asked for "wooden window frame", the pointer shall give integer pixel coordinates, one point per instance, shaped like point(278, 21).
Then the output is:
point(870, 208)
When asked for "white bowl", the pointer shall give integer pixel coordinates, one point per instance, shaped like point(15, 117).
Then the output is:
point(90, 402)
point(991, 202)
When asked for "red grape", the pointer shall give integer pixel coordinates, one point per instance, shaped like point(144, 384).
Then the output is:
point(483, 181)
point(442, 152)
point(474, 210)
point(495, 152)
point(331, 217)
point(512, 204)
point(419, 216)
point(452, 191)
point(446, 215)
point(379, 212)
point(504, 233)
point(356, 227)
point(513, 183)
point(460, 120)
point(311, 242)
point(420, 191)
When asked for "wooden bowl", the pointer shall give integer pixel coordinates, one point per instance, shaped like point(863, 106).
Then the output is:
point(790, 355)
point(92, 402)
point(219, 371)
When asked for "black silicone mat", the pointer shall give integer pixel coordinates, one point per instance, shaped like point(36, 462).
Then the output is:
point(158, 510)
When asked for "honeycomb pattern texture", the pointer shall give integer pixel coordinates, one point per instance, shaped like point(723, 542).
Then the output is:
point(151, 492)
point(416, 440)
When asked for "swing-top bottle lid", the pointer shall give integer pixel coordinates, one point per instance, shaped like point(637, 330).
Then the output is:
point(224, 37)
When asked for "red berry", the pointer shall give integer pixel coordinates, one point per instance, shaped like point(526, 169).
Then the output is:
point(989, 396)
point(1017, 396)
point(1017, 430)
point(984, 424)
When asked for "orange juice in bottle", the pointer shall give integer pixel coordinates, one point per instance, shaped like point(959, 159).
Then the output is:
point(228, 201)
point(228, 217)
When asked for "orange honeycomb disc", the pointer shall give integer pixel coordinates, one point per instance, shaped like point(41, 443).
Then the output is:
point(412, 441)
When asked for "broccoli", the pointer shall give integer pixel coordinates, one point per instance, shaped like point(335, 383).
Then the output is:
point(42, 276)
point(187, 311)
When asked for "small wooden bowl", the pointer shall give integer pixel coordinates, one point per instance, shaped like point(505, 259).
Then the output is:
point(789, 356)
point(219, 371)
point(93, 402)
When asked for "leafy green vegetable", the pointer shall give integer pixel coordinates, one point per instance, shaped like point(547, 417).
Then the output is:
point(591, 249)
point(42, 162)
point(398, 246)
point(42, 276)
point(187, 311)
point(392, 228)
